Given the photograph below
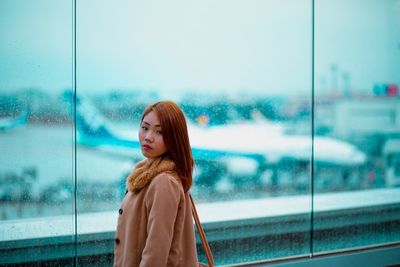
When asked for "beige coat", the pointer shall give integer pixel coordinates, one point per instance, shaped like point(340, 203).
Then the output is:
point(155, 226)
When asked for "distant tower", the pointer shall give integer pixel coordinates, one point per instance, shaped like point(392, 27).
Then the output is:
point(334, 77)
point(346, 84)
point(323, 85)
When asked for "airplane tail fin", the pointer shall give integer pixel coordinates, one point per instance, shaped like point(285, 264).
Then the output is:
point(8, 124)
point(89, 122)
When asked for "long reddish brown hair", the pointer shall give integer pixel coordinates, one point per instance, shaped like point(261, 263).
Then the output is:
point(176, 138)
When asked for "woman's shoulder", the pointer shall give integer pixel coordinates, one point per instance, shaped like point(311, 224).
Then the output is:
point(170, 178)
point(165, 185)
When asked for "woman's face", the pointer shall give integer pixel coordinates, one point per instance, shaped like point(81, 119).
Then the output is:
point(150, 136)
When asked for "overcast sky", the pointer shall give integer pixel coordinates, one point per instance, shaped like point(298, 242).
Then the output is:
point(257, 46)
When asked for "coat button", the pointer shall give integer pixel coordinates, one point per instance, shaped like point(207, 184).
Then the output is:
point(120, 211)
point(117, 241)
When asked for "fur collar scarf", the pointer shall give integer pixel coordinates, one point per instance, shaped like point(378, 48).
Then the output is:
point(146, 170)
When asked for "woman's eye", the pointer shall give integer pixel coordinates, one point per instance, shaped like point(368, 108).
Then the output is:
point(144, 128)
point(158, 132)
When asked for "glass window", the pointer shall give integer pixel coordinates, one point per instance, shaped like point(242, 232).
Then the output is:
point(242, 73)
point(357, 102)
point(36, 165)
point(285, 166)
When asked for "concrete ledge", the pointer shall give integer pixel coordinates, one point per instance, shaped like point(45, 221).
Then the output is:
point(238, 231)
point(388, 256)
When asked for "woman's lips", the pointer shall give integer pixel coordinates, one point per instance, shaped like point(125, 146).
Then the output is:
point(146, 147)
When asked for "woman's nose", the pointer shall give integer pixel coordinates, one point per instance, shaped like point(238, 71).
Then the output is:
point(148, 137)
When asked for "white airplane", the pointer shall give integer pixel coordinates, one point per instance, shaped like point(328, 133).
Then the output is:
point(235, 150)
point(7, 124)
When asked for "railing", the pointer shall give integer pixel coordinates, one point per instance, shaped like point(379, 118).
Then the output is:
point(238, 231)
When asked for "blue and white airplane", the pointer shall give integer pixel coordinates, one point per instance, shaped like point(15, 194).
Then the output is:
point(8, 124)
point(244, 150)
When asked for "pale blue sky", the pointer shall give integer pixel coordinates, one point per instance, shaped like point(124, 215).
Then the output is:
point(257, 46)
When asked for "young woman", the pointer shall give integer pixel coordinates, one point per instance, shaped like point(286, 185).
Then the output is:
point(155, 226)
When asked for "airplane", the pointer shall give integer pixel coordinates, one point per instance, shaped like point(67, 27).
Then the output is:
point(230, 150)
point(8, 124)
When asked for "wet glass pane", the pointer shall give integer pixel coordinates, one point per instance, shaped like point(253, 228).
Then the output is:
point(241, 71)
point(357, 108)
point(36, 141)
